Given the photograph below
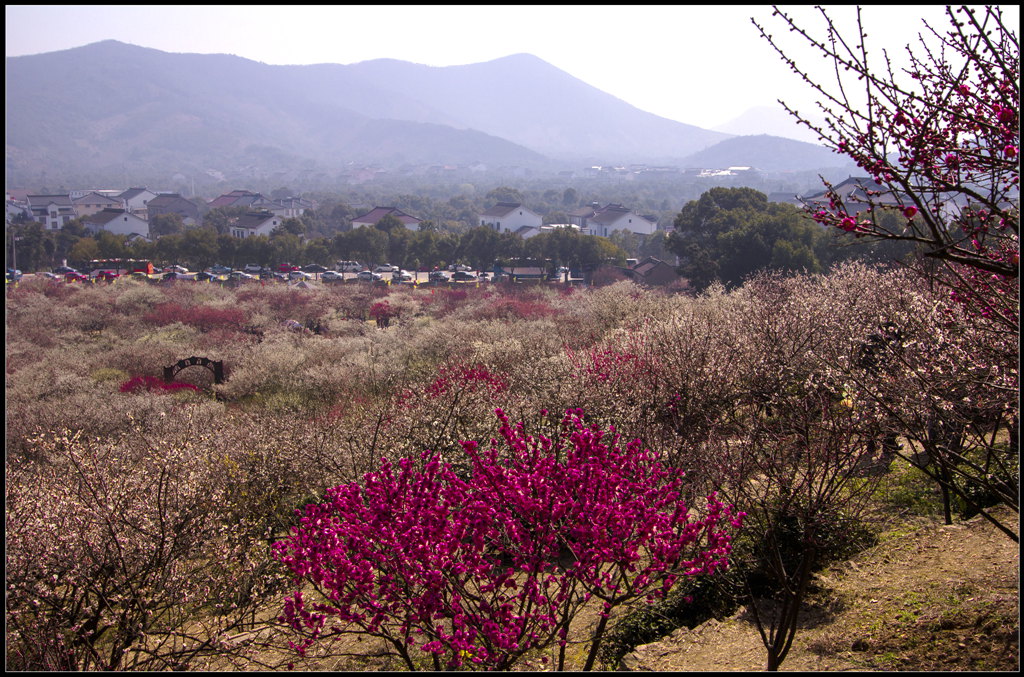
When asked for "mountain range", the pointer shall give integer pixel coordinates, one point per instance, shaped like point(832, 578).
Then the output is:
point(109, 108)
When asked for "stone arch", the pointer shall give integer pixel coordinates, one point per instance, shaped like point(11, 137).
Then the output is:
point(216, 366)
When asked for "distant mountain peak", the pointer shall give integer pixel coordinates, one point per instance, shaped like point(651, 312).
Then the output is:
point(771, 120)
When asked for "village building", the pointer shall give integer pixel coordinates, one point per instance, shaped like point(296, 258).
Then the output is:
point(604, 221)
point(53, 211)
point(507, 217)
point(92, 202)
point(117, 221)
point(255, 223)
point(372, 217)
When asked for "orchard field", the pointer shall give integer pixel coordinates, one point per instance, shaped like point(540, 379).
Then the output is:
point(572, 457)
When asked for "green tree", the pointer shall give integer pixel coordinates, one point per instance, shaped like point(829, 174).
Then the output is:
point(367, 244)
point(220, 218)
point(165, 224)
point(389, 223)
point(169, 249)
point(504, 194)
point(730, 233)
point(318, 251)
point(83, 251)
point(399, 240)
point(111, 245)
point(285, 246)
point(227, 250)
point(199, 247)
point(480, 247)
point(291, 225)
point(256, 249)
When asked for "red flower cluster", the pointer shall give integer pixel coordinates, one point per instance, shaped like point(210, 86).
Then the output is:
point(154, 384)
point(483, 569)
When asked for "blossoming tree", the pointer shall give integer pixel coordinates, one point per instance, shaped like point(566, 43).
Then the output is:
point(940, 141)
point(939, 138)
point(486, 569)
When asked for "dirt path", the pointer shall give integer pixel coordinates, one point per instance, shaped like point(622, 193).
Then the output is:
point(938, 598)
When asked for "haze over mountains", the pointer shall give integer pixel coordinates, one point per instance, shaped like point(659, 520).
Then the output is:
point(110, 108)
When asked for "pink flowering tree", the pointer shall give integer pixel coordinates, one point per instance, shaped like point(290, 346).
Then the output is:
point(481, 571)
point(939, 140)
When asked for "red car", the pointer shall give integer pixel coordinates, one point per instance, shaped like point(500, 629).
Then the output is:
point(107, 275)
point(76, 277)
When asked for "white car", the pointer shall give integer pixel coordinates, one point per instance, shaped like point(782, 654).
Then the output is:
point(299, 275)
point(401, 276)
point(253, 268)
point(331, 276)
point(385, 268)
point(348, 266)
point(369, 276)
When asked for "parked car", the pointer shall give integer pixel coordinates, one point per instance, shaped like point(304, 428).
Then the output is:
point(240, 276)
point(51, 276)
point(107, 275)
point(252, 268)
point(459, 266)
point(437, 276)
point(13, 274)
point(271, 275)
point(175, 269)
point(348, 266)
point(385, 268)
point(76, 277)
point(224, 270)
point(369, 276)
point(332, 276)
point(402, 276)
point(286, 268)
point(299, 275)
point(139, 275)
point(206, 275)
point(175, 275)
point(463, 276)
point(64, 270)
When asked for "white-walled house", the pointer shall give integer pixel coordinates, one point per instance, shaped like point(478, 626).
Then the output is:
point(53, 211)
point(606, 220)
point(116, 221)
point(93, 202)
point(506, 217)
point(526, 232)
point(372, 217)
point(136, 200)
point(255, 223)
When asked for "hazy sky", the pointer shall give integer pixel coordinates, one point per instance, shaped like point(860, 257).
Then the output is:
point(694, 64)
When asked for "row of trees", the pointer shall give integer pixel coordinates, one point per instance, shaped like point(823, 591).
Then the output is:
point(200, 247)
point(726, 235)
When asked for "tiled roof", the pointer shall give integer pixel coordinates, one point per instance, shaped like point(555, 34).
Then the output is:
point(378, 213)
point(43, 200)
point(253, 220)
point(105, 216)
point(610, 213)
point(501, 209)
point(96, 198)
point(236, 198)
point(132, 192)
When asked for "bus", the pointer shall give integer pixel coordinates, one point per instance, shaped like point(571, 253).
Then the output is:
point(122, 266)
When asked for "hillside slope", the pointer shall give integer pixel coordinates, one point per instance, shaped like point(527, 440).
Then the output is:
point(937, 598)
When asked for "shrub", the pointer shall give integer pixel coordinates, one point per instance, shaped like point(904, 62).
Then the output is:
point(484, 569)
point(154, 384)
